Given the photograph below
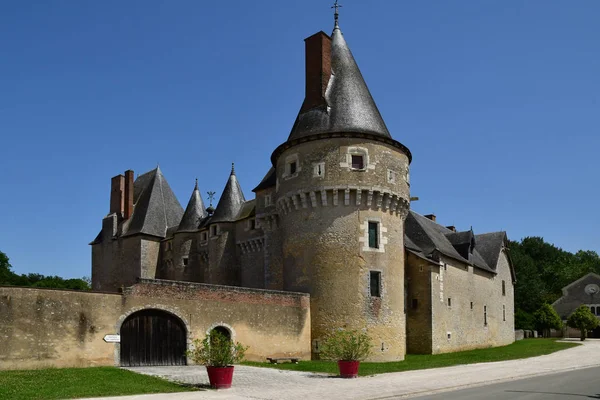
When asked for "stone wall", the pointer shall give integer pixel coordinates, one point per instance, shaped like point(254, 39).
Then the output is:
point(460, 324)
point(418, 307)
point(60, 328)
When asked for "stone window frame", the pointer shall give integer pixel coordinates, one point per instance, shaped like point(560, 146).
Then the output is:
point(364, 238)
point(503, 288)
point(391, 176)
point(320, 166)
point(378, 273)
point(357, 151)
point(449, 302)
point(249, 226)
point(268, 200)
point(204, 236)
point(289, 160)
point(185, 260)
point(214, 231)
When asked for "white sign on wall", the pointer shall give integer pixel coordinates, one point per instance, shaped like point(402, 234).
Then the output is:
point(112, 338)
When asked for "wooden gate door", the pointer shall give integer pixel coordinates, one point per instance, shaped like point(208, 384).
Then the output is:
point(152, 337)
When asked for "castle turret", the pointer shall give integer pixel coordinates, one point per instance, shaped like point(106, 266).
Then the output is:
point(342, 196)
point(223, 265)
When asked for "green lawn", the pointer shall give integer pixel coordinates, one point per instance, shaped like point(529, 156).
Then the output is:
point(521, 349)
point(69, 383)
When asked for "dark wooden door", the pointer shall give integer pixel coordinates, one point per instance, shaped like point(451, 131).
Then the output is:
point(152, 337)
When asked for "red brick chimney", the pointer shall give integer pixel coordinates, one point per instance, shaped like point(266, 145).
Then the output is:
point(128, 209)
point(430, 216)
point(117, 187)
point(318, 69)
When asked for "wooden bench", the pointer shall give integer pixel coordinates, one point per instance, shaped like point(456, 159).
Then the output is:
point(273, 360)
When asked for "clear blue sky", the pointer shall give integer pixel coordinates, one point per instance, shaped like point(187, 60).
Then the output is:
point(497, 100)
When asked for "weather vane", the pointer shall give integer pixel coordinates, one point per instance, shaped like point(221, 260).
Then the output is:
point(336, 6)
point(211, 196)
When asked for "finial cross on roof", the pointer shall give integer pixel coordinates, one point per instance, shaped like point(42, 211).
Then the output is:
point(211, 196)
point(336, 14)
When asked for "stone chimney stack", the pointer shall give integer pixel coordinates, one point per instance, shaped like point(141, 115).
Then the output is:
point(452, 228)
point(318, 70)
point(117, 189)
point(128, 198)
point(430, 216)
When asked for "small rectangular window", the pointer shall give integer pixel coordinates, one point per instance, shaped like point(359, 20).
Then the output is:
point(373, 235)
point(252, 224)
point(267, 200)
point(503, 313)
point(292, 167)
point(484, 315)
point(375, 283)
point(471, 305)
point(185, 261)
point(449, 302)
point(213, 230)
point(204, 235)
point(503, 288)
point(415, 304)
point(358, 161)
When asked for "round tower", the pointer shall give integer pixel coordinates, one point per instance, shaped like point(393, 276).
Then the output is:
point(342, 196)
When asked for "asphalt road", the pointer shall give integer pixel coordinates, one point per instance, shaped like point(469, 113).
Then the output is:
point(578, 384)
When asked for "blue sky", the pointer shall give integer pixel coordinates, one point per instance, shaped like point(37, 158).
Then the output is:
point(497, 100)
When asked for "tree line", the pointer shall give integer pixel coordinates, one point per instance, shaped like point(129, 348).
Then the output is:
point(542, 270)
point(8, 277)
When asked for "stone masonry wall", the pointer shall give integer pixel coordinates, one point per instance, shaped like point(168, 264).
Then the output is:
point(460, 324)
point(418, 307)
point(58, 328)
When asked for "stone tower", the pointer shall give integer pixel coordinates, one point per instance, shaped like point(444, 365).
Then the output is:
point(342, 194)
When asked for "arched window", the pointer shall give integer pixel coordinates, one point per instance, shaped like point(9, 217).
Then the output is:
point(222, 330)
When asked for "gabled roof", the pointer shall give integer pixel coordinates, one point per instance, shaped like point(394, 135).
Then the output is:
point(230, 202)
point(424, 237)
point(247, 210)
point(155, 206)
point(268, 181)
point(194, 212)
point(489, 246)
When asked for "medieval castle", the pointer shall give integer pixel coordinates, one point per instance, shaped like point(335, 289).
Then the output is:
point(331, 218)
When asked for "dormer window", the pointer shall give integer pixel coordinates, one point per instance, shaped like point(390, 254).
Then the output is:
point(292, 167)
point(267, 200)
point(252, 224)
point(358, 161)
point(214, 230)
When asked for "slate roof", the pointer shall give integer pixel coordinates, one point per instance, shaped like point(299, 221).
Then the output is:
point(351, 107)
point(488, 245)
point(268, 181)
point(230, 202)
point(423, 237)
point(155, 206)
point(194, 212)
point(247, 210)
point(156, 210)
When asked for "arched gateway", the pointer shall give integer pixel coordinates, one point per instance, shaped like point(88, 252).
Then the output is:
point(152, 337)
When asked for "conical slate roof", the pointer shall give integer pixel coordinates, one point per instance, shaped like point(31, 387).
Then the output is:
point(194, 212)
point(350, 106)
point(230, 202)
point(155, 206)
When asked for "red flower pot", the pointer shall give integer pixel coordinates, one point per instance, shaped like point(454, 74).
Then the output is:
point(220, 377)
point(348, 369)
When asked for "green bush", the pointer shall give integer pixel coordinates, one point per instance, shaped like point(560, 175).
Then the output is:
point(346, 346)
point(546, 318)
point(217, 350)
point(582, 319)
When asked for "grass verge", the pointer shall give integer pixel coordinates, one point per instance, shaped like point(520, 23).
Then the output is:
point(521, 349)
point(69, 383)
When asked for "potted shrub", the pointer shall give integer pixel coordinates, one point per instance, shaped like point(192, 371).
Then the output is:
point(218, 353)
point(349, 348)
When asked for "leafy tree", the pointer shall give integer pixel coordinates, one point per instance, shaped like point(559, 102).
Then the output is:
point(524, 320)
point(582, 319)
point(547, 318)
point(5, 269)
